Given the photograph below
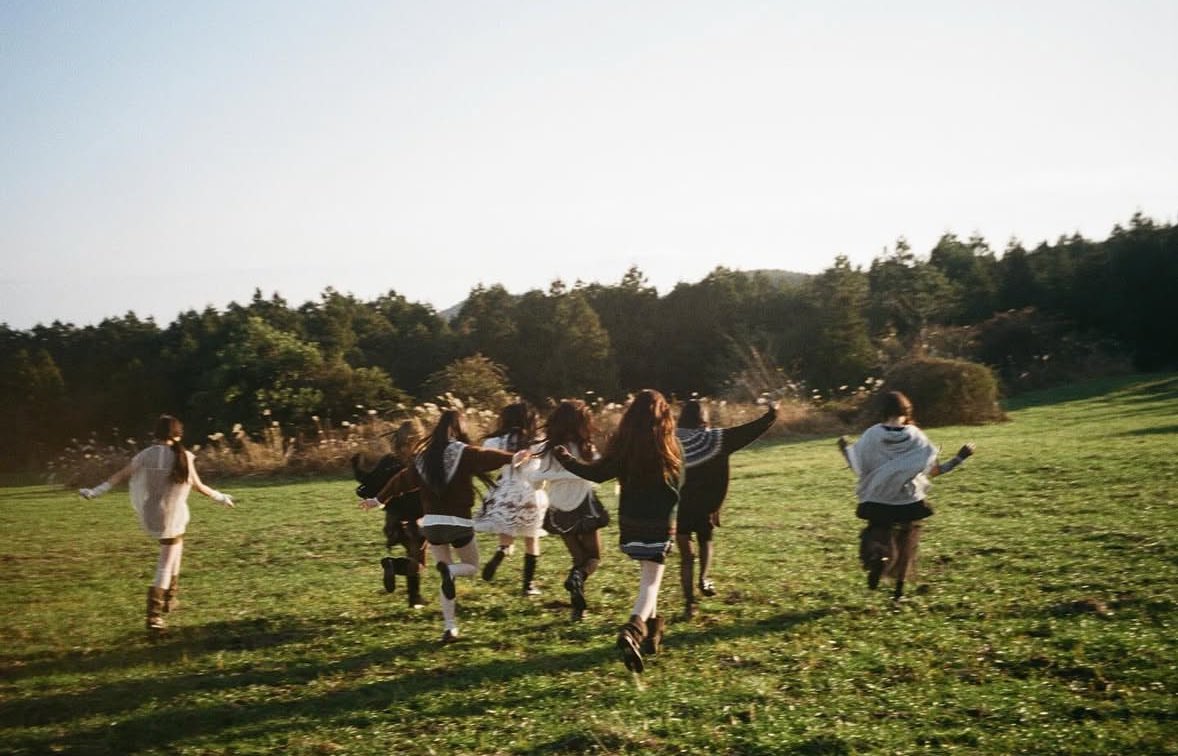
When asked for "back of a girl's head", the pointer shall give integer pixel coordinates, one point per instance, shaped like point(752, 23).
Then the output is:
point(646, 409)
point(406, 437)
point(570, 422)
point(517, 416)
point(451, 427)
point(693, 415)
point(895, 404)
point(168, 428)
point(644, 443)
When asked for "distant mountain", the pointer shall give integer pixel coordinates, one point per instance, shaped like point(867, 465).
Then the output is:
point(782, 278)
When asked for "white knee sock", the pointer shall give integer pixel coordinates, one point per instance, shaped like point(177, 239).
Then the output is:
point(168, 564)
point(646, 605)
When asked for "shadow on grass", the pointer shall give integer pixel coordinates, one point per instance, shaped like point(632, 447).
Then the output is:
point(1136, 388)
point(443, 687)
point(1161, 430)
point(175, 645)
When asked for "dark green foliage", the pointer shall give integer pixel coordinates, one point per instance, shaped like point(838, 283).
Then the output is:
point(946, 392)
point(1080, 308)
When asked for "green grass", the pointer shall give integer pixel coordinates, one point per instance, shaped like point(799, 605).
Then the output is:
point(1043, 620)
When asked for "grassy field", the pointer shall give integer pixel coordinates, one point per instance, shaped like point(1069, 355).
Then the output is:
point(1043, 620)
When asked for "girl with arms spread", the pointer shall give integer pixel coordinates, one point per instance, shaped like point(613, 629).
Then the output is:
point(707, 450)
point(895, 462)
point(161, 477)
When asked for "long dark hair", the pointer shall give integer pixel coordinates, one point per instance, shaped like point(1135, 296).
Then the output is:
point(170, 431)
point(570, 425)
point(517, 422)
point(451, 427)
point(693, 415)
point(644, 444)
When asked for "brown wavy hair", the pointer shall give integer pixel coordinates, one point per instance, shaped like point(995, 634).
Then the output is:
point(169, 430)
point(570, 425)
point(644, 444)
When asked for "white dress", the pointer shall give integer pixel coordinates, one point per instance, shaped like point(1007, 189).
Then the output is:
point(514, 506)
point(162, 505)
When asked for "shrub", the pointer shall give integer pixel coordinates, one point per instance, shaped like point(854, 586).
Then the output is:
point(945, 392)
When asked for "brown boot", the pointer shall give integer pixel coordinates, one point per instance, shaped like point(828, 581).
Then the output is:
point(171, 595)
point(155, 610)
point(654, 635)
point(629, 642)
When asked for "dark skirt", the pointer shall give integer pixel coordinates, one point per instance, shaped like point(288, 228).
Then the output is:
point(455, 535)
point(893, 513)
point(589, 516)
point(892, 535)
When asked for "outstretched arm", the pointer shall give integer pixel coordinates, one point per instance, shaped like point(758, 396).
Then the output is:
point(212, 493)
point(598, 471)
point(945, 467)
point(740, 436)
point(109, 483)
point(844, 444)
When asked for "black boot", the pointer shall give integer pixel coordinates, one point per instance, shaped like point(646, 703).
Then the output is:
point(415, 599)
point(575, 585)
point(493, 563)
point(530, 588)
point(393, 566)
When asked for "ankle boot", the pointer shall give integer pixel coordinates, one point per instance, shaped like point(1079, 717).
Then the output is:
point(629, 642)
point(530, 588)
point(171, 595)
point(155, 609)
point(493, 563)
point(392, 567)
point(654, 635)
point(575, 585)
point(415, 599)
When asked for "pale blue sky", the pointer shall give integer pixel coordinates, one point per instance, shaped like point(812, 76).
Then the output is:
point(166, 155)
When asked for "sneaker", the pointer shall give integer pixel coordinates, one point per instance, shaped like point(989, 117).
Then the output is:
point(447, 581)
point(450, 636)
point(707, 587)
point(390, 575)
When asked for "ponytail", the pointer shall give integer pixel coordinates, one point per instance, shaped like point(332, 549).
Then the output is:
point(169, 430)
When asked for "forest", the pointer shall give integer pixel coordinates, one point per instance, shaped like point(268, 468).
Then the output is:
point(1036, 317)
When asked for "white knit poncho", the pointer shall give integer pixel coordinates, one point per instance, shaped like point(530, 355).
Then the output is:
point(892, 464)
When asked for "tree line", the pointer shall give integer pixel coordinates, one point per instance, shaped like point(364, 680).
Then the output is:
point(1035, 316)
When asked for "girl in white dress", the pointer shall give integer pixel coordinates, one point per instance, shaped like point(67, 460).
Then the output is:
point(513, 507)
point(161, 477)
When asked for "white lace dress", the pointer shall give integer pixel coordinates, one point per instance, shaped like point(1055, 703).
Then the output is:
point(161, 504)
point(514, 506)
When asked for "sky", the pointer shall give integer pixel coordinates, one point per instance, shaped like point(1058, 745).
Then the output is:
point(161, 156)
